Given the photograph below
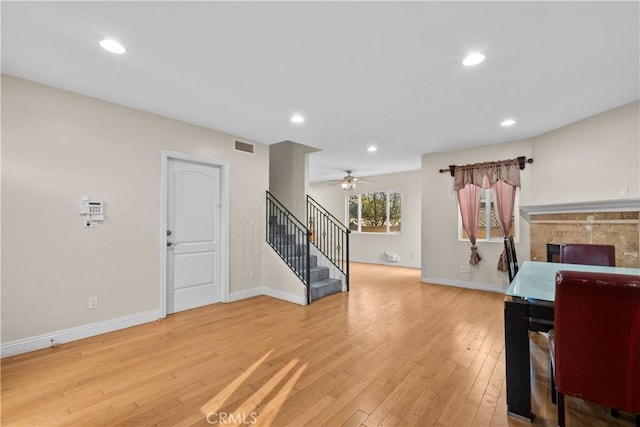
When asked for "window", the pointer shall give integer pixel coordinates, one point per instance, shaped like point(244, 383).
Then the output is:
point(378, 212)
point(488, 227)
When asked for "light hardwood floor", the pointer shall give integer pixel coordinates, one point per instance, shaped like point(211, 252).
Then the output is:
point(393, 351)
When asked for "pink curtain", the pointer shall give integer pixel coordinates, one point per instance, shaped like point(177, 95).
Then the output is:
point(504, 178)
point(469, 202)
point(504, 195)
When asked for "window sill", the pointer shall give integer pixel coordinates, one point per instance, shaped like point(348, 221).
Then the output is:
point(500, 240)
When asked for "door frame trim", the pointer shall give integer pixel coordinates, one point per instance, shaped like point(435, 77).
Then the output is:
point(165, 156)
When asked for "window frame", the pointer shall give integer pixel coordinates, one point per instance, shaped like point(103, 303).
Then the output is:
point(387, 213)
point(515, 226)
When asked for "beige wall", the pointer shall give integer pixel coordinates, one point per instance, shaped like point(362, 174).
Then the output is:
point(589, 160)
point(368, 247)
point(59, 146)
point(583, 162)
point(289, 174)
point(442, 252)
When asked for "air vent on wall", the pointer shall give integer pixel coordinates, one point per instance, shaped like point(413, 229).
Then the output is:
point(243, 146)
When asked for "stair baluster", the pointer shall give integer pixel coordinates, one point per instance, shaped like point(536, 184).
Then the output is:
point(292, 241)
point(331, 236)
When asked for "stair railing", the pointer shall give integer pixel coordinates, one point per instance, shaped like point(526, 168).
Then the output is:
point(286, 234)
point(330, 236)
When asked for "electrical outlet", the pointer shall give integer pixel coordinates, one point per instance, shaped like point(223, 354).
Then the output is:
point(252, 275)
point(93, 303)
point(465, 268)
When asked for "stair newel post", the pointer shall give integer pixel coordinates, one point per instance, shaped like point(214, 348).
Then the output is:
point(285, 238)
point(266, 224)
point(308, 264)
point(347, 256)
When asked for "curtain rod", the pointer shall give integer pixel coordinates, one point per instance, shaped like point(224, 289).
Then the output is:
point(522, 160)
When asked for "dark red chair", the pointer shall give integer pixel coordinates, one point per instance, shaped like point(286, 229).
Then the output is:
point(588, 254)
point(596, 341)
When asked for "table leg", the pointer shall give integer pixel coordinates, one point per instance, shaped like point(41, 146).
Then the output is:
point(516, 345)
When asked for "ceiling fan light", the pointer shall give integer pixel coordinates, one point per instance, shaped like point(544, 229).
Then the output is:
point(348, 185)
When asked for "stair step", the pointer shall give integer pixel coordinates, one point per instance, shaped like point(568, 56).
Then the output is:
point(312, 259)
point(276, 228)
point(318, 274)
point(292, 250)
point(281, 239)
point(325, 288)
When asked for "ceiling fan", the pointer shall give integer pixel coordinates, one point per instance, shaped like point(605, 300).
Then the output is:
point(348, 183)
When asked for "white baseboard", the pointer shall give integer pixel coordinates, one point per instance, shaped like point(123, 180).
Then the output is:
point(489, 287)
point(384, 262)
point(270, 292)
point(245, 293)
point(286, 296)
point(39, 342)
point(72, 334)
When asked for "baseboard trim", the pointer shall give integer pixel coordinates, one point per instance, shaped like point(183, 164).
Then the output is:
point(383, 262)
point(244, 294)
point(286, 296)
point(39, 342)
point(270, 292)
point(488, 287)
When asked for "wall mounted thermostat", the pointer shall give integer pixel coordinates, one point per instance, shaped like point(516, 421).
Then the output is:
point(92, 211)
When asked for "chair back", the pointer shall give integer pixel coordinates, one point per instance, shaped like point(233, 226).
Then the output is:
point(512, 259)
point(588, 254)
point(597, 338)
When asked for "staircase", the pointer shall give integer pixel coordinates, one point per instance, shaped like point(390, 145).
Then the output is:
point(292, 241)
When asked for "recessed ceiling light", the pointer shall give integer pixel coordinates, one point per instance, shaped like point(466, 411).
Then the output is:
point(508, 122)
point(372, 148)
point(112, 46)
point(473, 59)
point(297, 118)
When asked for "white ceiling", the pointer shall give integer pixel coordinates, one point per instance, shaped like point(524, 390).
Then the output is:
point(383, 73)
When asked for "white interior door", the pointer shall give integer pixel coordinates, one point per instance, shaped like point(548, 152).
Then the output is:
point(193, 235)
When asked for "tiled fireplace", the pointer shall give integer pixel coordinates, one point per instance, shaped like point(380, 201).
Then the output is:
point(621, 229)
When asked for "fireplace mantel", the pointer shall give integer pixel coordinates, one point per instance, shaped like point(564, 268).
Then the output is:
point(617, 205)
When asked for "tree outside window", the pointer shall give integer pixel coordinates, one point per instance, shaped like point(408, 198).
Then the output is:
point(378, 212)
